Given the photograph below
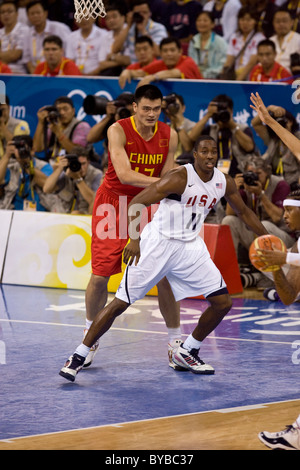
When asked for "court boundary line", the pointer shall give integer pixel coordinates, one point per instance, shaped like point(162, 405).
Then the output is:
point(131, 330)
point(221, 410)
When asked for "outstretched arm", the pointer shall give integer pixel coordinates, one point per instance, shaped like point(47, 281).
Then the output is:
point(286, 136)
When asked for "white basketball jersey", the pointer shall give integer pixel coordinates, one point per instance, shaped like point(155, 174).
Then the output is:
point(181, 217)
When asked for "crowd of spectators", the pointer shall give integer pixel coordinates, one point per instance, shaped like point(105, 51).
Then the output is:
point(55, 167)
point(220, 38)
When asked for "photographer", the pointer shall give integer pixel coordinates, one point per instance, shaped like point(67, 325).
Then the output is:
point(58, 130)
point(282, 160)
point(235, 141)
point(112, 110)
point(264, 194)
point(173, 107)
point(75, 182)
point(10, 126)
point(22, 177)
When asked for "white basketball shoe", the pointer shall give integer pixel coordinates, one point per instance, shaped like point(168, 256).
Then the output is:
point(93, 351)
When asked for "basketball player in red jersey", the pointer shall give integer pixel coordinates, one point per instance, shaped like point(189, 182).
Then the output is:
point(141, 149)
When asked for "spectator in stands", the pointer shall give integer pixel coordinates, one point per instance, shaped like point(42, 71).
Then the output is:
point(22, 15)
point(173, 64)
point(225, 16)
point(265, 10)
point(267, 69)
point(242, 50)
point(64, 130)
point(180, 20)
point(286, 40)
point(87, 46)
point(41, 28)
point(139, 23)
point(144, 52)
point(283, 162)
point(10, 126)
point(13, 38)
point(293, 7)
point(55, 63)
point(74, 187)
point(207, 48)
point(264, 195)
point(23, 176)
point(115, 22)
point(235, 141)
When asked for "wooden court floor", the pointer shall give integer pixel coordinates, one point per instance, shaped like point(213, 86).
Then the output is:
point(229, 429)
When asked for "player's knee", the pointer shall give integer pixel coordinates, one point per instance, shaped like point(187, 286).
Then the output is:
point(118, 306)
point(221, 305)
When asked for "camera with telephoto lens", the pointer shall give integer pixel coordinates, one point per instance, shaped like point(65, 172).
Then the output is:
point(171, 107)
point(223, 114)
point(250, 178)
point(73, 163)
point(53, 113)
point(23, 144)
point(97, 105)
point(137, 17)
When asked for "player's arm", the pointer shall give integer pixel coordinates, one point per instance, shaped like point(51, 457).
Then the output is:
point(169, 164)
point(235, 200)
point(116, 144)
point(287, 286)
point(286, 136)
point(174, 182)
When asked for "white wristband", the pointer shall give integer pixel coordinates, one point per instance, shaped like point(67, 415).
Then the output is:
point(293, 258)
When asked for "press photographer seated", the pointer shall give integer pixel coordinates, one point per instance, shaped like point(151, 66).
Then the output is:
point(58, 130)
point(74, 182)
point(22, 177)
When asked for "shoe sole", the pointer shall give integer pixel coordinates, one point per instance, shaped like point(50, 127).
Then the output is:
point(179, 368)
point(67, 376)
point(199, 372)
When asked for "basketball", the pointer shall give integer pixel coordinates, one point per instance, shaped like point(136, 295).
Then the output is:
point(265, 242)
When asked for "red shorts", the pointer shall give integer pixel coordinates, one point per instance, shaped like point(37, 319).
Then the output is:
point(109, 232)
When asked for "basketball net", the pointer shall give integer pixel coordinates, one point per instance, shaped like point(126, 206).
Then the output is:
point(85, 9)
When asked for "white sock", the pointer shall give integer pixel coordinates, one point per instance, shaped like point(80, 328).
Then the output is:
point(82, 350)
point(191, 343)
point(88, 323)
point(174, 333)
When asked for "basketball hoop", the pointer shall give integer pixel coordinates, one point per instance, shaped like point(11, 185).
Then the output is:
point(85, 9)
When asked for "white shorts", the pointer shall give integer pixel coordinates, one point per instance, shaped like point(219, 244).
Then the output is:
point(187, 266)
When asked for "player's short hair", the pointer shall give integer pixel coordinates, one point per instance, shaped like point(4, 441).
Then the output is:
point(151, 92)
point(200, 139)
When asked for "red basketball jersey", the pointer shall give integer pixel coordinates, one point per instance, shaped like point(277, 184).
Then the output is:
point(147, 157)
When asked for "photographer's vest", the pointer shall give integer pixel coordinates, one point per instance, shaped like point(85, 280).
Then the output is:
point(237, 153)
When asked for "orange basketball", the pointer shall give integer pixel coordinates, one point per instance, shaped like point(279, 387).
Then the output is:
point(265, 242)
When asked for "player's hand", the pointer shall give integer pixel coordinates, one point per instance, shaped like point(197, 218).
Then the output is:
point(271, 258)
point(259, 107)
point(132, 252)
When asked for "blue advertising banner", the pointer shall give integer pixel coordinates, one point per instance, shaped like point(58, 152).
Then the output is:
point(29, 93)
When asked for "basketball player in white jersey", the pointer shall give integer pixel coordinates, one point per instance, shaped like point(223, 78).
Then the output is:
point(287, 285)
point(170, 246)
